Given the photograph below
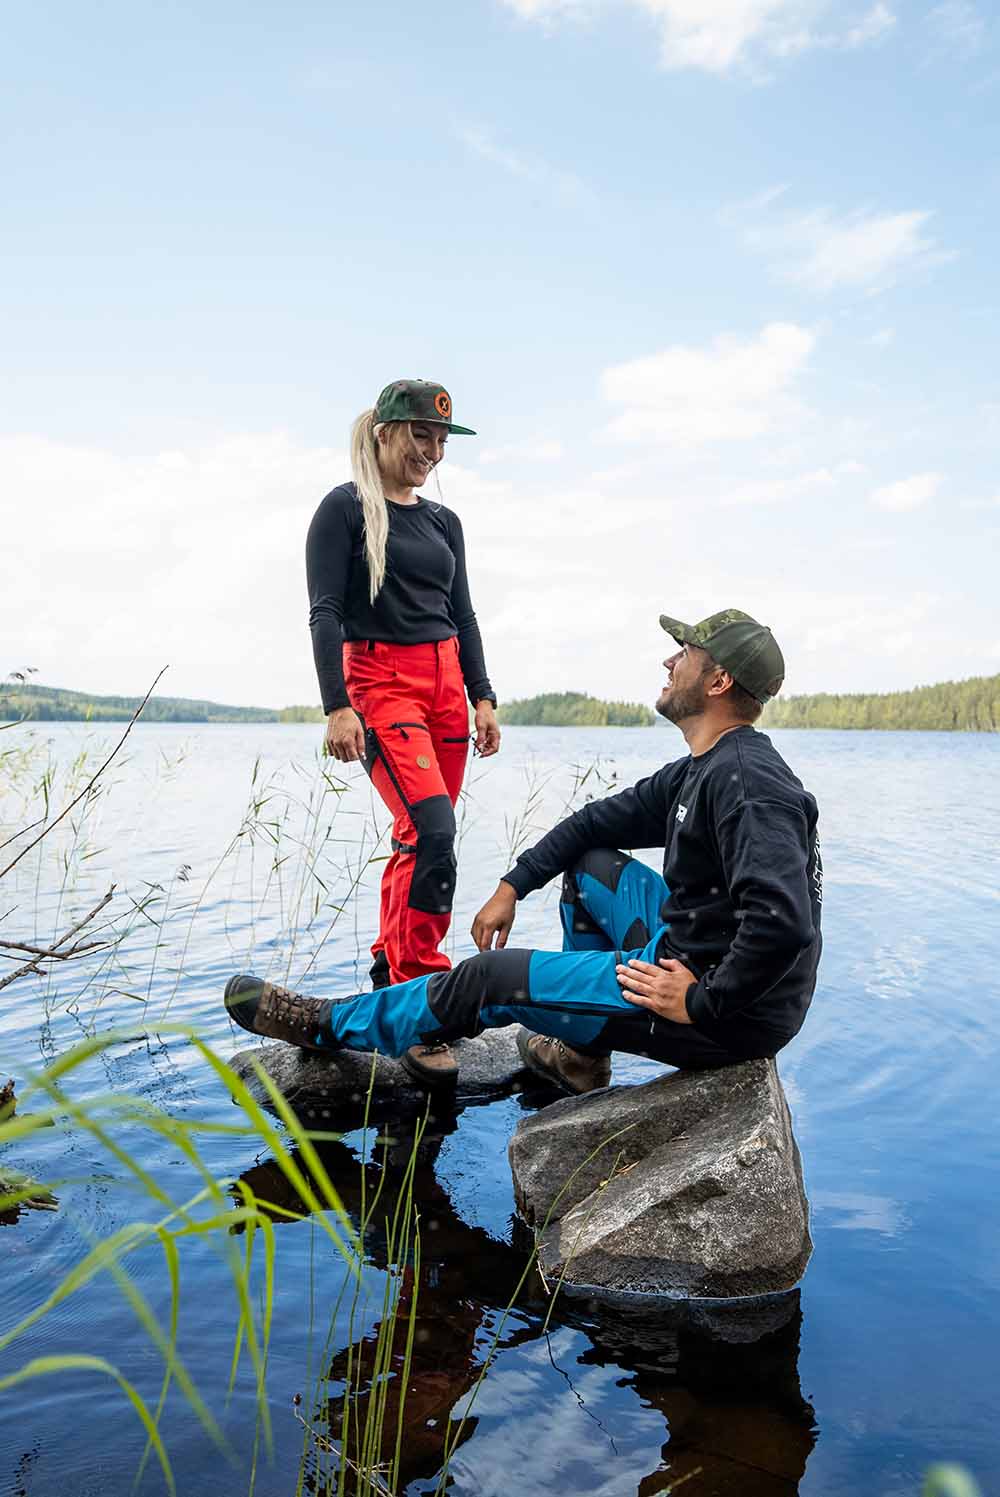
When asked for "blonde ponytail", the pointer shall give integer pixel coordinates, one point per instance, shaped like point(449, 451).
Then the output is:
point(368, 479)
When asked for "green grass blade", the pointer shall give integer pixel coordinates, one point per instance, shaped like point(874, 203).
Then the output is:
point(949, 1481)
point(173, 1271)
point(75, 1362)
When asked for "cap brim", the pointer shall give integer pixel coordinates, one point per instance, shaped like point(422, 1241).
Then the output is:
point(683, 633)
point(457, 431)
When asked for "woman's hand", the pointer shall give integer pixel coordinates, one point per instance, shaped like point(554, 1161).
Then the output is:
point(487, 729)
point(345, 737)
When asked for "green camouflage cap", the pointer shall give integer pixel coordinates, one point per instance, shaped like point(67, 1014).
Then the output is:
point(418, 400)
point(744, 648)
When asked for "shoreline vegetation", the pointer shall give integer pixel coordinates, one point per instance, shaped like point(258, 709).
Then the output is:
point(971, 706)
point(574, 709)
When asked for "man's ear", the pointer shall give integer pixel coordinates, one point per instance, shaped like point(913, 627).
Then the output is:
point(719, 682)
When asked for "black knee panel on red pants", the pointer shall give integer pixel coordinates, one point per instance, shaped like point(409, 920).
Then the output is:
point(435, 868)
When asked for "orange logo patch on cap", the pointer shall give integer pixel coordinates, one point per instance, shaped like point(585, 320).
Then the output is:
point(442, 404)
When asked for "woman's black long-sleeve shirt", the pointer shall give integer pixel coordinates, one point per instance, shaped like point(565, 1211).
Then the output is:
point(742, 866)
point(424, 598)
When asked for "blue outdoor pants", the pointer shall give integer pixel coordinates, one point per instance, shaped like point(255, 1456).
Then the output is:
point(610, 911)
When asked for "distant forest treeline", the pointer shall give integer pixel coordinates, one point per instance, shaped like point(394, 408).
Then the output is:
point(971, 706)
point(574, 709)
point(963, 706)
point(52, 704)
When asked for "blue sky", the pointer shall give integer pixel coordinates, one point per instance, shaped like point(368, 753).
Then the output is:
point(715, 280)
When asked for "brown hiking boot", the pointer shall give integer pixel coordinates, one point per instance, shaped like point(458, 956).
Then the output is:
point(557, 1062)
point(431, 1065)
point(264, 1008)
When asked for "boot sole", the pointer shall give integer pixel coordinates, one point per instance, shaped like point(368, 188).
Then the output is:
point(552, 1077)
point(536, 1069)
point(436, 1079)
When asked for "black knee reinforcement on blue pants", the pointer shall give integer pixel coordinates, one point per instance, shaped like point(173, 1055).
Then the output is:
point(605, 864)
point(495, 977)
point(636, 936)
point(583, 923)
point(435, 869)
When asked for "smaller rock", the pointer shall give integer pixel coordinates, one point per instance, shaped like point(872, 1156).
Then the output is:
point(335, 1087)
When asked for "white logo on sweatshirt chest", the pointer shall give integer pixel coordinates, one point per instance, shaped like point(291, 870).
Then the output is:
point(681, 812)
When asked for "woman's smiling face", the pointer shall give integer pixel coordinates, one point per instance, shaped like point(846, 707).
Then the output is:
point(408, 450)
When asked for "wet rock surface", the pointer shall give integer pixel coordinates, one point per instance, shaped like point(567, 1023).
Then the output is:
point(690, 1184)
point(335, 1087)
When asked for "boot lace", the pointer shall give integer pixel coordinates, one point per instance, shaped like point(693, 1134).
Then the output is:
point(293, 1010)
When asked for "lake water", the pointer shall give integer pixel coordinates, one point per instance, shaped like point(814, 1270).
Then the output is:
point(888, 1363)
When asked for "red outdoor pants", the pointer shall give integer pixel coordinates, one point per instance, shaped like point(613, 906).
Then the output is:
point(411, 699)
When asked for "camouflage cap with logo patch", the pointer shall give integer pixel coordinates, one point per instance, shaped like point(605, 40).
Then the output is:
point(744, 648)
point(418, 400)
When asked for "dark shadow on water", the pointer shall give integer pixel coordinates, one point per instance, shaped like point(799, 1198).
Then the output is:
point(722, 1374)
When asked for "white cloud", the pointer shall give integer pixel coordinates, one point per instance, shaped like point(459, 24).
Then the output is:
point(780, 490)
point(871, 27)
point(715, 34)
point(906, 493)
point(825, 624)
point(532, 170)
point(192, 558)
point(540, 451)
point(862, 250)
point(729, 391)
point(195, 557)
point(882, 338)
point(718, 35)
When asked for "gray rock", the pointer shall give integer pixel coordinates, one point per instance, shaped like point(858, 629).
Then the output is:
point(648, 1323)
point(335, 1087)
point(689, 1185)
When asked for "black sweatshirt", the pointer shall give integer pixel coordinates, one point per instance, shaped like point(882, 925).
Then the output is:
point(742, 864)
point(424, 598)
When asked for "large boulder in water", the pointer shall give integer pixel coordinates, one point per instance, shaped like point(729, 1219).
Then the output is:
point(690, 1184)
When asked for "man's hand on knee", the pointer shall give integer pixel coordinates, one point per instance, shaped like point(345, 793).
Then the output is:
point(495, 918)
point(661, 988)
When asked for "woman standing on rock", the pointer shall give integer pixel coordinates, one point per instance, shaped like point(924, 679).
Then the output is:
point(397, 648)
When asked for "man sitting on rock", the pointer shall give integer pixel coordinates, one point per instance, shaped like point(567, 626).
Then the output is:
point(712, 964)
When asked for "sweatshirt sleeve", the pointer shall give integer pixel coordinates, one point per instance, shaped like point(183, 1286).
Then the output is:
point(470, 644)
point(328, 561)
point(637, 817)
point(764, 848)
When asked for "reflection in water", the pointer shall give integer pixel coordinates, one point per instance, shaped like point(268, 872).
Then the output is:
point(723, 1374)
point(726, 1380)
